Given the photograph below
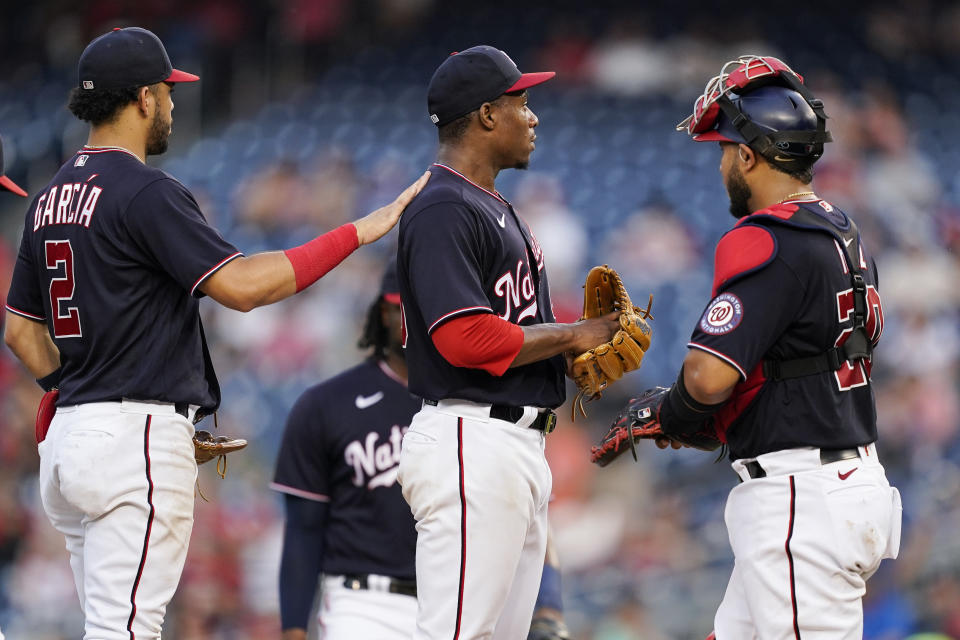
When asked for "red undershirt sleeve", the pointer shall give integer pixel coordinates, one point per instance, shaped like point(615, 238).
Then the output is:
point(479, 341)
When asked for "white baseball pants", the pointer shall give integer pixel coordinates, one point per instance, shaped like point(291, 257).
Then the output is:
point(805, 540)
point(373, 613)
point(478, 489)
point(116, 479)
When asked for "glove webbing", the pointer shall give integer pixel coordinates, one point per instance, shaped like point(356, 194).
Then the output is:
point(577, 404)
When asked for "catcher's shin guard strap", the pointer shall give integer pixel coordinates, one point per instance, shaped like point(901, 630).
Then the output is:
point(681, 413)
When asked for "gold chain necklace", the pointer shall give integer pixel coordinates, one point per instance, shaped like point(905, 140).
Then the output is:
point(797, 195)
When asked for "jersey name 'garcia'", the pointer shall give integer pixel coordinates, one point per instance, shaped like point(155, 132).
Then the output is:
point(782, 291)
point(112, 256)
point(464, 250)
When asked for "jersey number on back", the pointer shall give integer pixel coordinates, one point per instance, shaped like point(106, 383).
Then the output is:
point(66, 320)
point(857, 374)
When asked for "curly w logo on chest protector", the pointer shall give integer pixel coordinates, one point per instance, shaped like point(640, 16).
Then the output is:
point(518, 293)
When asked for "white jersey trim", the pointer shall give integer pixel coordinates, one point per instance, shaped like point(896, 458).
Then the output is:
point(725, 358)
point(300, 493)
point(213, 270)
point(24, 314)
point(454, 171)
point(88, 150)
point(390, 373)
point(455, 313)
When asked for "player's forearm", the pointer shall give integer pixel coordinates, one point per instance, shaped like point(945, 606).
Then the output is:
point(250, 282)
point(30, 341)
point(300, 560)
point(294, 634)
point(542, 341)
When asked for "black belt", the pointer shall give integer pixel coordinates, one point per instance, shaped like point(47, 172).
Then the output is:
point(545, 421)
point(826, 457)
point(182, 408)
point(359, 581)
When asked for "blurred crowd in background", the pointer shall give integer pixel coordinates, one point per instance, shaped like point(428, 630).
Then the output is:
point(310, 113)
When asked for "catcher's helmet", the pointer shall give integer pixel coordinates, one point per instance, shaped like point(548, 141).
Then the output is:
point(775, 112)
point(764, 104)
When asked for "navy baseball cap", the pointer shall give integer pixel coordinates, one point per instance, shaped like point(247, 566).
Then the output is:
point(467, 79)
point(6, 182)
point(131, 57)
point(390, 285)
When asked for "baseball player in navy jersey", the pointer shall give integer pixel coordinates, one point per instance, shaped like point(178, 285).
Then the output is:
point(7, 184)
point(104, 306)
point(779, 368)
point(345, 515)
point(487, 356)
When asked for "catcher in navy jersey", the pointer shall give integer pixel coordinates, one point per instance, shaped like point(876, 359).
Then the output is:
point(104, 311)
point(345, 515)
point(779, 371)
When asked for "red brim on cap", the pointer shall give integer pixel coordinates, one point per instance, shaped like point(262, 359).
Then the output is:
point(392, 298)
point(181, 76)
point(10, 185)
point(711, 136)
point(530, 79)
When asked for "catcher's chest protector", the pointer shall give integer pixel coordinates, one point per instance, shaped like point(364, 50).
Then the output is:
point(844, 231)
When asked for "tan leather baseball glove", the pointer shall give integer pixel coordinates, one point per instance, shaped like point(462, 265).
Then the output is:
point(595, 369)
point(207, 446)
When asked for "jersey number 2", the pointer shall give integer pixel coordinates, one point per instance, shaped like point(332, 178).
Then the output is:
point(857, 374)
point(66, 320)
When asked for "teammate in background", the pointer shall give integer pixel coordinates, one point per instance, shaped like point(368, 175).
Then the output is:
point(104, 305)
point(779, 365)
point(345, 515)
point(485, 354)
point(8, 185)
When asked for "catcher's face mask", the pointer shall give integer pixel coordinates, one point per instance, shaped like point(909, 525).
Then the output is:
point(737, 76)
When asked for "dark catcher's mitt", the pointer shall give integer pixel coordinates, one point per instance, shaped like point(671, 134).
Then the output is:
point(595, 369)
point(641, 420)
point(207, 446)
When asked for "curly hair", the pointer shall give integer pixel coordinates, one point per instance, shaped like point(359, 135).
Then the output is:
point(375, 333)
point(102, 106)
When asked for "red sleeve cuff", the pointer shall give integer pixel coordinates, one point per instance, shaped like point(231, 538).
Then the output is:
point(479, 341)
point(312, 261)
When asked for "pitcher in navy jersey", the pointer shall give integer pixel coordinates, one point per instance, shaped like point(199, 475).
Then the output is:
point(104, 306)
point(779, 365)
point(345, 515)
point(486, 355)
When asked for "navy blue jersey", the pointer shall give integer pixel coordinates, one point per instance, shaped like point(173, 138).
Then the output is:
point(464, 250)
point(342, 446)
point(792, 300)
point(112, 255)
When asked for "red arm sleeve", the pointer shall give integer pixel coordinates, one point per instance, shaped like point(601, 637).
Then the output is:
point(479, 341)
point(311, 261)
